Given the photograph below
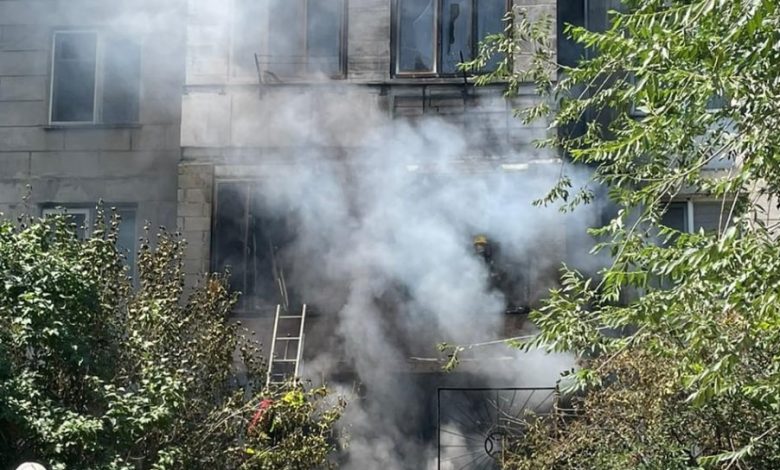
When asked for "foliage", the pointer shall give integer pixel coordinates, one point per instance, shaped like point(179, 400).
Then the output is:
point(98, 373)
point(679, 337)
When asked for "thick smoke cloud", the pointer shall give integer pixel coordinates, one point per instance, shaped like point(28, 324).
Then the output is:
point(383, 248)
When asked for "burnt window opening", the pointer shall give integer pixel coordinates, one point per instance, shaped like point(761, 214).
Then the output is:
point(95, 78)
point(305, 37)
point(434, 36)
point(249, 241)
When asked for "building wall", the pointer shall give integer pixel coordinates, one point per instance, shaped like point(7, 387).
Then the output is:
point(132, 165)
point(234, 127)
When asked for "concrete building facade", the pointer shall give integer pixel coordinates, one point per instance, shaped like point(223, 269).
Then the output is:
point(90, 107)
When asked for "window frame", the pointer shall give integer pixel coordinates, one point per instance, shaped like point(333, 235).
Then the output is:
point(56, 210)
point(690, 205)
point(395, 40)
point(98, 91)
point(99, 74)
point(303, 70)
point(90, 213)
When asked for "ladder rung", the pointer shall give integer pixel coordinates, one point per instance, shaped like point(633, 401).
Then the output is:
point(289, 317)
point(283, 360)
point(289, 338)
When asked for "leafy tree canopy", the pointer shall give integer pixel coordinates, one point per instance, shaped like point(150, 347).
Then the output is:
point(679, 337)
point(96, 373)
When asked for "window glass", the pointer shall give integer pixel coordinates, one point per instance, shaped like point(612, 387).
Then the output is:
point(323, 36)
point(707, 215)
point(126, 238)
point(286, 36)
point(676, 216)
point(121, 80)
point(73, 80)
point(78, 219)
point(490, 20)
point(570, 12)
point(416, 36)
point(456, 34)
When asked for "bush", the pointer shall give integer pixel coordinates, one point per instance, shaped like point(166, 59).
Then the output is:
point(98, 373)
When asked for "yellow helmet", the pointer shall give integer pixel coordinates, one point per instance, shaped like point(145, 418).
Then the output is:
point(480, 240)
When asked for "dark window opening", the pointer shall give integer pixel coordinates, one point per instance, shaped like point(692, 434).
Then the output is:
point(676, 216)
point(434, 36)
point(95, 78)
point(249, 241)
point(305, 37)
point(570, 12)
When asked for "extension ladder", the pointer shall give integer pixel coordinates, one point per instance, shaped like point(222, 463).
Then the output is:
point(284, 363)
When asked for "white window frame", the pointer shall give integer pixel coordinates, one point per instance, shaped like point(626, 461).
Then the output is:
point(97, 104)
point(86, 212)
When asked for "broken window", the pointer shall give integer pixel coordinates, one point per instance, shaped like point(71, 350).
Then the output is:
point(457, 26)
point(82, 220)
point(249, 241)
point(95, 78)
point(305, 37)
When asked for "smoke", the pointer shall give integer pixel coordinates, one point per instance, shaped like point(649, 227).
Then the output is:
point(383, 249)
point(382, 213)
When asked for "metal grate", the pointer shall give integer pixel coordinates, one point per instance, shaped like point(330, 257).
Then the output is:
point(473, 423)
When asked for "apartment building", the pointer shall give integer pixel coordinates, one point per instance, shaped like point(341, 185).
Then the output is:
point(325, 152)
point(90, 107)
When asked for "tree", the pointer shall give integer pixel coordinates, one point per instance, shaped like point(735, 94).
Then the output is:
point(678, 338)
point(95, 373)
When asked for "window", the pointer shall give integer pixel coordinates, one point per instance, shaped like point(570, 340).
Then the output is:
point(434, 36)
point(250, 240)
point(306, 37)
point(570, 12)
point(95, 79)
point(83, 218)
point(79, 218)
point(691, 216)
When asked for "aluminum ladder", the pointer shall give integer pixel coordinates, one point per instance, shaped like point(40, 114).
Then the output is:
point(284, 363)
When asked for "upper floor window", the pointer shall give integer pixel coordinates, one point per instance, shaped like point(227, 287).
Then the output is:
point(305, 37)
point(434, 36)
point(95, 79)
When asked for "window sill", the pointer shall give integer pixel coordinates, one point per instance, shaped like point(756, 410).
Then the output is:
point(55, 127)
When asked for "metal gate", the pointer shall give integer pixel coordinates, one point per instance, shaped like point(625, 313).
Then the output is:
point(473, 423)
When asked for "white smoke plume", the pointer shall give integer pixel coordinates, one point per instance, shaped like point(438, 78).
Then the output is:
point(383, 248)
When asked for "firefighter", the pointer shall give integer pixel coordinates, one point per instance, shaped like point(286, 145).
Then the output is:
point(498, 278)
point(484, 250)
